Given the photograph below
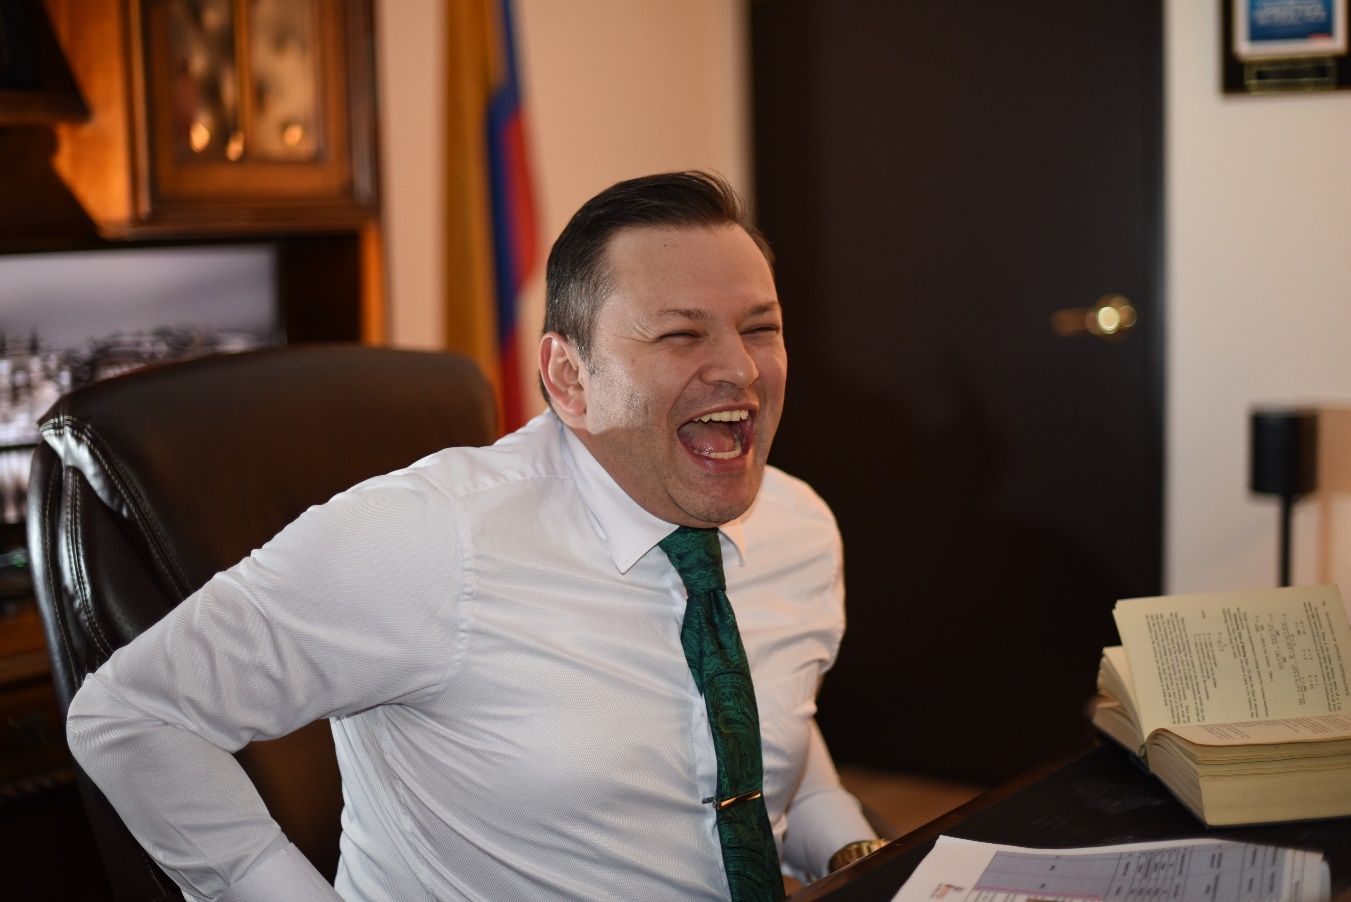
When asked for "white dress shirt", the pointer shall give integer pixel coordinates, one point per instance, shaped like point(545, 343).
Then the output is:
point(496, 642)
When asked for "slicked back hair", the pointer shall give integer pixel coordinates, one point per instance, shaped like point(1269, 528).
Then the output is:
point(578, 277)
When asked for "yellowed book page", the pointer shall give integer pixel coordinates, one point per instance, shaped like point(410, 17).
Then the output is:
point(1236, 657)
point(1116, 656)
point(1265, 732)
point(1114, 678)
point(1112, 719)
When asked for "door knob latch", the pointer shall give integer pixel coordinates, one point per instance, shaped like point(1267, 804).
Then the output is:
point(1110, 319)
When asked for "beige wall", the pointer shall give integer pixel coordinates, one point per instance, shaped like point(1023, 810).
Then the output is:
point(1258, 297)
point(612, 89)
point(409, 66)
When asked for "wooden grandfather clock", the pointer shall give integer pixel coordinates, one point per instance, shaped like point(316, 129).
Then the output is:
point(220, 116)
point(230, 120)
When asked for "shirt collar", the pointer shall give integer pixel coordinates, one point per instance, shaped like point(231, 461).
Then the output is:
point(626, 528)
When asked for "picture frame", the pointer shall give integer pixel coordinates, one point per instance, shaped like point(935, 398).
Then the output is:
point(79, 316)
point(1283, 46)
point(1278, 29)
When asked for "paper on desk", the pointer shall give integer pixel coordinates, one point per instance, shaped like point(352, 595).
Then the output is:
point(1191, 870)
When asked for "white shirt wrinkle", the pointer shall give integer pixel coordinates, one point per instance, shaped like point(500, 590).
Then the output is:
point(515, 714)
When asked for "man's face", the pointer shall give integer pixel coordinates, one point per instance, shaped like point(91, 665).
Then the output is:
point(684, 387)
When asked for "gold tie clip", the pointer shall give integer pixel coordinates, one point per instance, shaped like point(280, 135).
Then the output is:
point(744, 797)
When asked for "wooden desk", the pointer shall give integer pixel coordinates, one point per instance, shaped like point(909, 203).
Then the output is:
point(1095, 796)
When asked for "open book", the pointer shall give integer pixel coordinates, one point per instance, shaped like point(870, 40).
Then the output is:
point(1239, 702)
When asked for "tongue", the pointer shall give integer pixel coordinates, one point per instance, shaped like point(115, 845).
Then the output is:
point(706, 438)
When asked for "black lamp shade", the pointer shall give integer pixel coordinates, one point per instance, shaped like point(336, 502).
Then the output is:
point(1284, 452)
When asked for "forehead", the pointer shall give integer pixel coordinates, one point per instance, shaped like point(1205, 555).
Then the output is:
point(654, 268)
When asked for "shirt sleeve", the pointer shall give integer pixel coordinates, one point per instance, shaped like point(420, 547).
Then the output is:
point(823, 816)
point(353, 605)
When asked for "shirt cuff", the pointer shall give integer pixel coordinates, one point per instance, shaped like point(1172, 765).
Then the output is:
point(284, 876)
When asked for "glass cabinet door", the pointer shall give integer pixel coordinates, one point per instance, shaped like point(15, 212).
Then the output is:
point(257, 104)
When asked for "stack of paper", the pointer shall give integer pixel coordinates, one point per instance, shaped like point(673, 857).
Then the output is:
point(1192, 870)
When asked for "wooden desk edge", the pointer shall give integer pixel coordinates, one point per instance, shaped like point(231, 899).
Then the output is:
point(936, 827)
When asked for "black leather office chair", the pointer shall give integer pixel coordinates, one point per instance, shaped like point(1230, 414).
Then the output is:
point(149, 483)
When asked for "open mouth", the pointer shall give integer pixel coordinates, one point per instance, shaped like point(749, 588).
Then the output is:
point(722, 435)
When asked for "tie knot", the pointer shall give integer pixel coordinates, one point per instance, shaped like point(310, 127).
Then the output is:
point(697, 557)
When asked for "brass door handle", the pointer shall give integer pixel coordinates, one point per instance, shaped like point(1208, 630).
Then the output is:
point(1110, 319)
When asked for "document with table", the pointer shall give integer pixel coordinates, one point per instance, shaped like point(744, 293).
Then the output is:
point(1194, 870)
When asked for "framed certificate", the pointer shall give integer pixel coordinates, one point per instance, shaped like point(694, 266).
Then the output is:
point(1266, 29)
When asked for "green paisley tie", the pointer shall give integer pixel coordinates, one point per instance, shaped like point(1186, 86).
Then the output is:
point(718, 661)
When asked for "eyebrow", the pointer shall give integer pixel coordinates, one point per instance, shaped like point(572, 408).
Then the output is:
point(701, 314)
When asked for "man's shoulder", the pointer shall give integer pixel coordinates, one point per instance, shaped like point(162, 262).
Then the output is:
point(782, 494)
point(529, 454)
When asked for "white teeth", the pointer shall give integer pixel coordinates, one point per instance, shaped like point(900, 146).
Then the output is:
point(724, 455)
point(724, 416)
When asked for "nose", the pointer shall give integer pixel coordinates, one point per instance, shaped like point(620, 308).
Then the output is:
point(730, 361)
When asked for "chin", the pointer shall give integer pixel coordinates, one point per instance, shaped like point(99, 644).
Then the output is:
point(713, 497)
point(718, 510)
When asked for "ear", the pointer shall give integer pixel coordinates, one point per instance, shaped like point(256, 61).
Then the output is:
point(560, 368)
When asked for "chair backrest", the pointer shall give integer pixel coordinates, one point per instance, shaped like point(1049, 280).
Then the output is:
point(147, 484)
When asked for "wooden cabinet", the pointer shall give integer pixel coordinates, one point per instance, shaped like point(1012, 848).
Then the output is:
point(35, 86)
point(33, 754)
point(182, 122)
point(49, 852)
point(219, 117)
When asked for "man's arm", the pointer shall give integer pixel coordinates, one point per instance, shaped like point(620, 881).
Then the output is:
point(350, 606)
point(174, 790)
point(823, 816)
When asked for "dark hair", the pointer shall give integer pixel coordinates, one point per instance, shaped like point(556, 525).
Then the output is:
point(577, 277)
